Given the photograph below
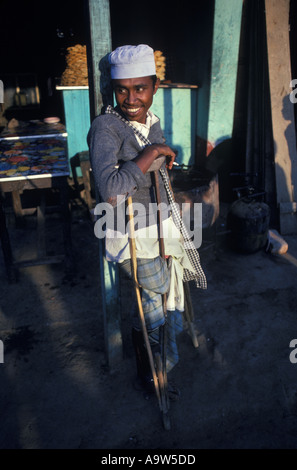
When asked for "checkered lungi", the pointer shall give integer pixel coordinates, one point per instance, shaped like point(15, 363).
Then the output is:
point(154, 278)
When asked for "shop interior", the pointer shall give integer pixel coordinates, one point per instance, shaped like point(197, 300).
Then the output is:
point(36, 39)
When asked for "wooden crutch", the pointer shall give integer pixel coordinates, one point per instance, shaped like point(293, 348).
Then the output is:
point(188, 310)
point(161, 359)
point(157, 376)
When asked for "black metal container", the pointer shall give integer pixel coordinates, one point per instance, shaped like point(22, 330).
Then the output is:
point(248, 225)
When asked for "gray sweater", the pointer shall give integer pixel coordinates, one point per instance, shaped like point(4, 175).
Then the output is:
point(113, 146)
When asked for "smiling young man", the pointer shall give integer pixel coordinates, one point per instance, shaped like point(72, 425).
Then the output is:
point(124, 142)
point(134, 97)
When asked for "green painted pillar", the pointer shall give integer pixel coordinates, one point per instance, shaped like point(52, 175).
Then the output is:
point(218, 98)
point(98, 47)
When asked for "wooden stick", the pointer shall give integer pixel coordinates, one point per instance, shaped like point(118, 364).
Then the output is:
point(188, 310)
point(160, 228)
point(138, 296)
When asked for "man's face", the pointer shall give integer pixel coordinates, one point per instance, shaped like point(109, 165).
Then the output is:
point(134, 96)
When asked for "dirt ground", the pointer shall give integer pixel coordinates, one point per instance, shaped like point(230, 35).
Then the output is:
point(238, 388)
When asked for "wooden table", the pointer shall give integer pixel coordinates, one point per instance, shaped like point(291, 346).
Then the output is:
point(31, 160)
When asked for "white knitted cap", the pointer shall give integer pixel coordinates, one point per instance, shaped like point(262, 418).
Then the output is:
point(132, 62)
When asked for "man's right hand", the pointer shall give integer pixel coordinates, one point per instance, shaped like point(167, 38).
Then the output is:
point(145, 159)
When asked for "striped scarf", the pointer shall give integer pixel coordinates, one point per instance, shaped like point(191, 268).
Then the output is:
point(198, 275)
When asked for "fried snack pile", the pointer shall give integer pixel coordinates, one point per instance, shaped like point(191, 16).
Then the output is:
point(76, 72)
point(160, 65)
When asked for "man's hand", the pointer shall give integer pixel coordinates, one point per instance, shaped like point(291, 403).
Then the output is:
point(151, 152)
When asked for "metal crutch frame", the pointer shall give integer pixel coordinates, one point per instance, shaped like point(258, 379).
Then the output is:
point(160, 381)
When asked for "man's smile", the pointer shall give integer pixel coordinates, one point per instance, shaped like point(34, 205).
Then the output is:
point(134, 96)
point(132, 110)
point(132, 113)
